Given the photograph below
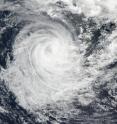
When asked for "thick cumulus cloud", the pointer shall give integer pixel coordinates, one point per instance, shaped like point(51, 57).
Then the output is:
point(90, 8)
point(63, 52)
point(97, 7)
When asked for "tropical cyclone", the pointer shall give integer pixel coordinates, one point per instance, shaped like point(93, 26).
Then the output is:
point(53, 64)
point(46, 57)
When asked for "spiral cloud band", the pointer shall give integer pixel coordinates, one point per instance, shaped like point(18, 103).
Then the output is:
point(47, 56)
point(50, 54)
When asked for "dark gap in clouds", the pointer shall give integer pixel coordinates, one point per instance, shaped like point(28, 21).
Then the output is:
point(75, 19)
point(112, 65)
point(98, 36)
point(7, 36)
